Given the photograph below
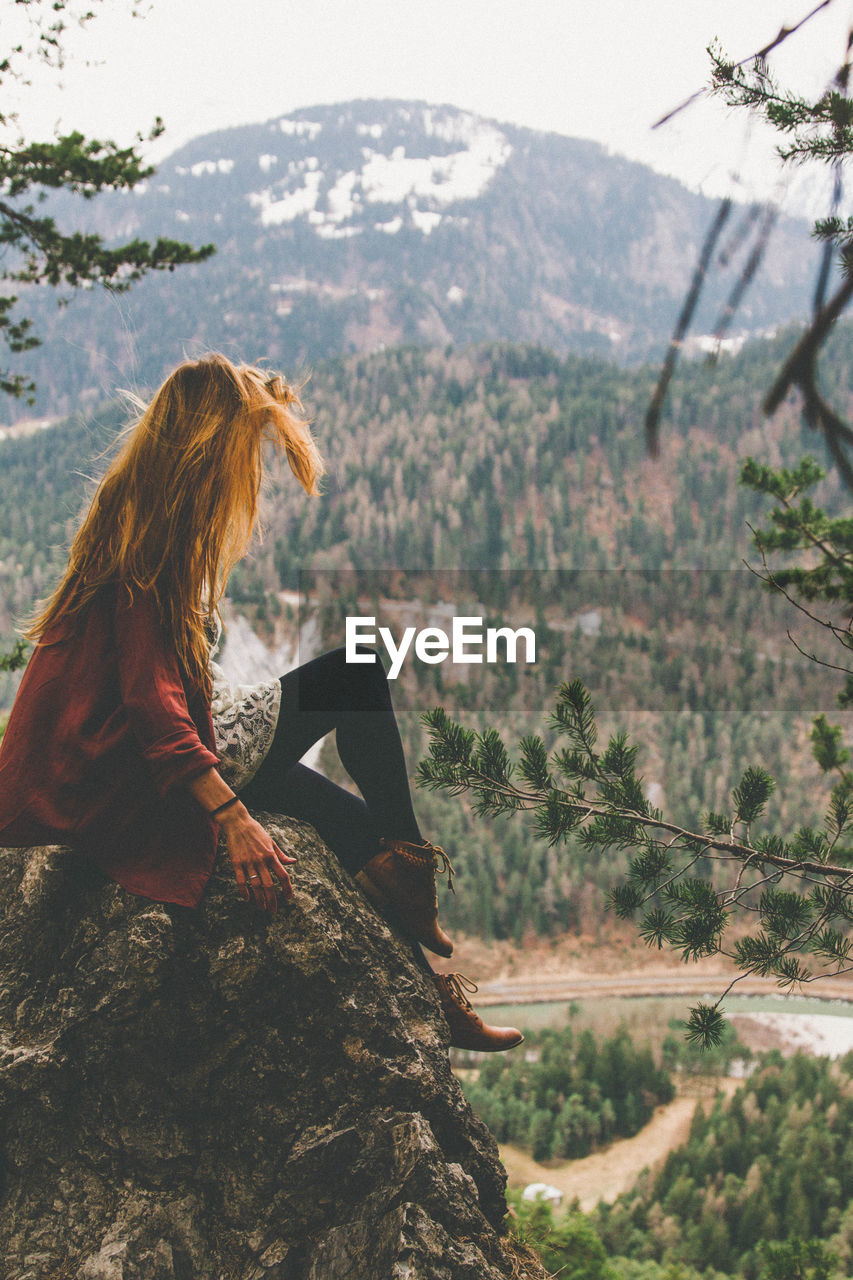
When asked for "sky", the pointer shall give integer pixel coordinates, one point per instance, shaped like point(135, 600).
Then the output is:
point(601, 69)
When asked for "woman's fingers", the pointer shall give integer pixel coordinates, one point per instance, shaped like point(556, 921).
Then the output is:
point(267, 887)
point(278, 864)
point(242, 886)
point(260, 868)
point(263, 888)
point(284, 883)
point(270, 876)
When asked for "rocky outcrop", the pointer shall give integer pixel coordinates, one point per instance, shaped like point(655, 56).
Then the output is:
point(222, 1095)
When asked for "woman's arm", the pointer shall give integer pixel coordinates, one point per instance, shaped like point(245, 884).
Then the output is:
point(153, 695)
point(260, 867)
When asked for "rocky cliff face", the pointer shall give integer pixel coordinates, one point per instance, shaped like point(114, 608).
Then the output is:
point(219, 1095)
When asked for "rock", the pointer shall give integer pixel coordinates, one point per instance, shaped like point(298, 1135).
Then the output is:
point(224, 1095)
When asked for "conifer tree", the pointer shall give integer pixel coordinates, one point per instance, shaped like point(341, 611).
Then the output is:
point(797, 1259)
point(35, 251)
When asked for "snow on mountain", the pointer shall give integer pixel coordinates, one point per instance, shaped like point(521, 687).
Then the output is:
point(462, 175)
point(335, 202)
point(277, 207)
point(300, 128)
point(206, 166)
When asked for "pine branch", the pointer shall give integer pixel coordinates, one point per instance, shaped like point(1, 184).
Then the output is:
point(42, 255)
point(781, 36)
point(606, 809)
point(473, 776)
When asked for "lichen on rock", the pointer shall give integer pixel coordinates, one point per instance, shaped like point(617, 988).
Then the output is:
point(224, 1095)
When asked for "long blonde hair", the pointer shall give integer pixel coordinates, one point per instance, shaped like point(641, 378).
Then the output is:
point(178, 504)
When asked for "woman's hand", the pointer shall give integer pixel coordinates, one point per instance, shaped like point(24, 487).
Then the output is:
point(259, 865)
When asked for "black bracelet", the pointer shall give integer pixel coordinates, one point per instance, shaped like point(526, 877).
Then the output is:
point(213, 812)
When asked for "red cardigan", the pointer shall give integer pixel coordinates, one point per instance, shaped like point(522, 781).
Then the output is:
point(101, 737)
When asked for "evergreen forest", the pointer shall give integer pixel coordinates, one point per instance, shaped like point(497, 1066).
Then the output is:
point(569, 1095)
point(514, 483)
point(774, 1163)
point(769, 1169)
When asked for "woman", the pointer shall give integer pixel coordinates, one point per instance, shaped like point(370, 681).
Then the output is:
point(112, 745)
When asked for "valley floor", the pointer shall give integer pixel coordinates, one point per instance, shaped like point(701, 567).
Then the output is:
point(612, 964)
point(598, 974)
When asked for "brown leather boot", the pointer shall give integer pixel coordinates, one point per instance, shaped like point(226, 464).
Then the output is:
point(400, 880)
point(467, 1028)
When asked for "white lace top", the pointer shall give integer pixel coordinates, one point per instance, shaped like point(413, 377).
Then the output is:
point(244, 721)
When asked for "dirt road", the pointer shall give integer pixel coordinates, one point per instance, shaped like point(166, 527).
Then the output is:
point(606, 1174)
point(524, 990)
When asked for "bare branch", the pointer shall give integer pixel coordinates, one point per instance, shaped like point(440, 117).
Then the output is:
point(806, 349)
point(842, 634)
point(655, 408)
point(779, 38)
point(821, 662)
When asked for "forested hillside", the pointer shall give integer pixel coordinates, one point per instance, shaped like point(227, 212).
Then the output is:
point(506, 457)
point(759, 1191)
point(513, 459)
point(576, 1094)
point(774, 1163)
point(488, 457)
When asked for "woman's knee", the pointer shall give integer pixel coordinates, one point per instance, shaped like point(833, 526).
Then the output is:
point(366, 670)
point(365, 652)
point(330, 684)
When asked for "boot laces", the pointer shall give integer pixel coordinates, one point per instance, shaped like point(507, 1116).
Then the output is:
point(441, 862)
point(442, 866)
point(459, 984)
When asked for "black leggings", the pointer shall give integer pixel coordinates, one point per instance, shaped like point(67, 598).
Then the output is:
point(354, 700)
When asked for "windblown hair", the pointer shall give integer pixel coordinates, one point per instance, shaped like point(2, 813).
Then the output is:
point(177, 506)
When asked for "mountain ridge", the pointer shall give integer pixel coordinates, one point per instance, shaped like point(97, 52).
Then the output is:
point(356, 226)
